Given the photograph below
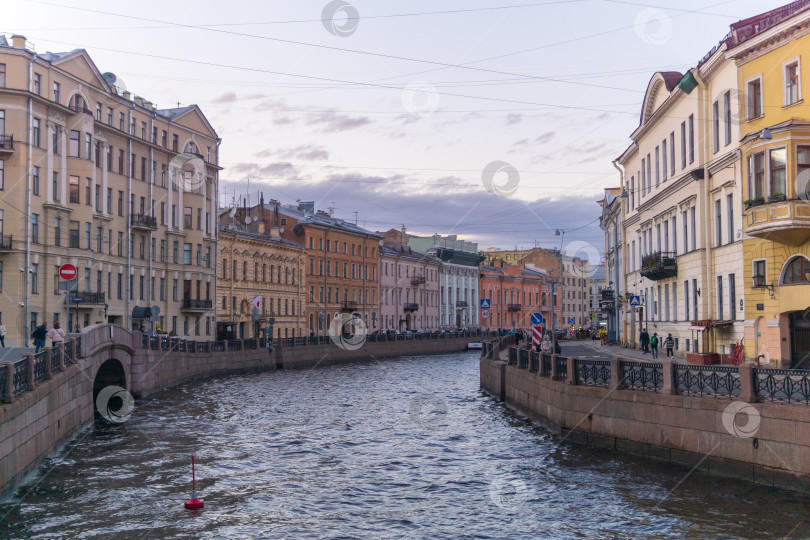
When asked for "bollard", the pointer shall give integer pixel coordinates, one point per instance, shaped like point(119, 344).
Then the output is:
point(748, 391)
point(9, 382)
point(48, 375)
point(616, 374)
point(61, 346)
point(670, 384)
point(554, 374)
point(571, 376)
point(31, 383)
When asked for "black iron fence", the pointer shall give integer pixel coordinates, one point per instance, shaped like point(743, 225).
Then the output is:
point(593, 372)
point(644, 376)
point(782, 385)
point(716, 381)
point(523, 358)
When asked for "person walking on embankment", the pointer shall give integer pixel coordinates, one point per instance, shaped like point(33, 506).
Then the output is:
point(669, 344)
point(2, 335)
point(644, 338)
point(654, 345)
point(56, 334)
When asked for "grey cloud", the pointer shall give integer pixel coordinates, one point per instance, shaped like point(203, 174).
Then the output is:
point(545, 137)
point(308, 152)
point(334, 123)
point(227, 97)
point(513, 118)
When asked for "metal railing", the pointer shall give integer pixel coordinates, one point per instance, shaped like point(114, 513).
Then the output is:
point(644, 376)
point(513, 356)
point(143, 220)
point(3, 382)
point(562, 367)
point(523, 358)
point(68, 352)
point(6, 241)
point(545, 364)
point(56, 359)
point(192, 303)
point(593, 372)
point(717, 381)
point(40, 366)
point(782, 385)
point(20, 376)
point(6, 142)
point(534, 361)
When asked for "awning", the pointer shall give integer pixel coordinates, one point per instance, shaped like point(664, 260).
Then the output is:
point(705, 325)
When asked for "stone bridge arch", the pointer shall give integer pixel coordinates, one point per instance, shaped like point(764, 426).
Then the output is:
point(109, 349)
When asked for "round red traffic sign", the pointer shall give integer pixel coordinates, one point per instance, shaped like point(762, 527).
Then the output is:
point(67, 272)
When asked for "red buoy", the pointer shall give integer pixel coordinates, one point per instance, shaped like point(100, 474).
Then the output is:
point(194, 503)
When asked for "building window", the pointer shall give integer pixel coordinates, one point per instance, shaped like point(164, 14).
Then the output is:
point(642, 178)
point(693, 225)
point(73, 149)
point(121, 121)
point(187, 253)
point(793, 91)
point(174, 142)
point(720, 298)
point(664, 158)
point(35, 228)
point(727, 115)
point(73, 190)
point(716, 126)
point(691, 121)
point(754, 98)
point(756, 176)
point(36, 133)
point(109, 116)
point(87, 235)
point(187, 217)
point(672, 154)
point(718, 236)
point(35, 181)
point(34, 278)
point(649, 173)
point(796, 271)
point(37, 84)
point(657, 166)
point(730, 217)
point(778, 169)
point(56, 91)
point(683, 145)
point(732, 297)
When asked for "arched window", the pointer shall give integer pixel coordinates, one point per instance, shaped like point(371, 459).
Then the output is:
point(796, 271)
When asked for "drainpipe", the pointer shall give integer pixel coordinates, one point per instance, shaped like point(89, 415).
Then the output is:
point(27, 329)
point(151, 207)
point(130, 205)
point(708, 269)
point(619, 223)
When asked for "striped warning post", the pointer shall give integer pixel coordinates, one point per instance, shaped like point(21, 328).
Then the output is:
point(537, 335)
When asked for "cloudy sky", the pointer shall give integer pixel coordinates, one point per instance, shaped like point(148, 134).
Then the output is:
point(494, 120)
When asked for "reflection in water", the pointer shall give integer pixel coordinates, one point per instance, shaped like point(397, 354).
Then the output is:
point(406, 447)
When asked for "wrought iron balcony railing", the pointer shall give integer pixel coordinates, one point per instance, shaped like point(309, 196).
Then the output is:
point(6, 143)
point(461, 303)
point(87, 297)
point(660, 265)
point(410, 307)
point(142, 221)
point(5, 241)
point(80, 109)
point(513, 307)
point(417, 280)
point(196, 305)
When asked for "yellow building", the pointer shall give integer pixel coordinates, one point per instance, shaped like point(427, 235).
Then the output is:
point(259, 265)
point(94, 176)
point(770, 50)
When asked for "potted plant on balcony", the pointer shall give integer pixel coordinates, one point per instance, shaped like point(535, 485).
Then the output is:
point(776, 197)
point(756, 201)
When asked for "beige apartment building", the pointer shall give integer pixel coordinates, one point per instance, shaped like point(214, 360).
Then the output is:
point(681, 236)
point(261, 285)
point(94, 176)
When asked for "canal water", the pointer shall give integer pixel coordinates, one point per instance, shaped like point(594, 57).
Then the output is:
point(398, 448)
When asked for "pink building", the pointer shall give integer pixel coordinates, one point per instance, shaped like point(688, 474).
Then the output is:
point(409, 289)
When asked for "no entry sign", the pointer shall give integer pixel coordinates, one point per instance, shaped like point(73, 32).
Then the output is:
point(67, 272)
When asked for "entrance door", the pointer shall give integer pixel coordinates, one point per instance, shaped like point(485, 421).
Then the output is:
point(799, 341)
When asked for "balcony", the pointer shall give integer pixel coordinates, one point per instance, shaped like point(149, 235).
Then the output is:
point(143, 222)
point(190, 304)
point(5, 242)
point(410, 307)
point(348, 307)
point(783, 221)
point(76, 108)
point(661, 265)
point(6, 144)
point(417, 280)
point(513, 307)
point(461, 304)
point(87, 298)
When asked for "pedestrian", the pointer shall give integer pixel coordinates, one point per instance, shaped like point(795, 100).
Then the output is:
point(669, 343)
point(654, 345)
point(602, 336)
point(56, 334)
point(545, 346)
point(39, 334)
point(644, 337)
point(2, 335)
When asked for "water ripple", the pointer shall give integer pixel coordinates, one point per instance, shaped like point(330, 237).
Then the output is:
point(399, 448)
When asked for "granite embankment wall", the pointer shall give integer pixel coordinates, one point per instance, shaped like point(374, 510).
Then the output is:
point(47, 398)
point(589, 402)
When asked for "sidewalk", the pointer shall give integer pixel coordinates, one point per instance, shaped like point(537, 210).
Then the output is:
point(632, 354)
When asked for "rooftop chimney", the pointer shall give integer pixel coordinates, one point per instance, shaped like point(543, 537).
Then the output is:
point(18, 41)
point(139, 100)
point(147, 104)
point(126, 94)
